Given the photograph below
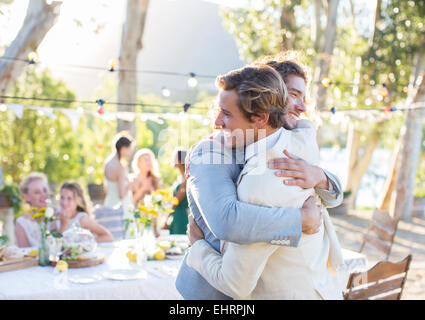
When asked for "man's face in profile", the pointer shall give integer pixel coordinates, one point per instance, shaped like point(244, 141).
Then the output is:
point(296, 95)
point(237, 130)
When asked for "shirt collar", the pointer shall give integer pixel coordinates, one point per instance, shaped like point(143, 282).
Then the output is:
point(262, 145)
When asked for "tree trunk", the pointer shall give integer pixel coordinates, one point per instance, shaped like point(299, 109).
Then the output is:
point(131, 44)
point(411, 135)
point(288, 27)
point(392, 177)
point(323, 63)
point(316, 26)
point(359, 167)
point(390, 181)
point(375, 22)
point(40, 18)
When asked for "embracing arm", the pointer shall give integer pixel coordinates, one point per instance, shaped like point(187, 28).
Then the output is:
point(331, 196)
point(236, 271)
point(214, 192)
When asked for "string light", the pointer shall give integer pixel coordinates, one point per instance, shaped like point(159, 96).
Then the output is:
point(112, 65)
point(326, 82)
point(3, 107)
point(32, 57)
point(100, 109)
point(165, 92)
point(192, 81)
point(186, 107)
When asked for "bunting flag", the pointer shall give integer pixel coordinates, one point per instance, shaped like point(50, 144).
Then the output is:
point(17, 109)
point(73, 116)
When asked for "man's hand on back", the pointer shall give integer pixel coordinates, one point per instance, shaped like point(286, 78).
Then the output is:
point(302, 173)
point(311, 215)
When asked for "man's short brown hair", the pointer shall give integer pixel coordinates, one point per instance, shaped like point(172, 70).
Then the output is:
point(260, 89)
point(286, 63)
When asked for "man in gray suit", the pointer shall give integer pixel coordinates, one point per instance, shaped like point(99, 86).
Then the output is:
point(212, 172)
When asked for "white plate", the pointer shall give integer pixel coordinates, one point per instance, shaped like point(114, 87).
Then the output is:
point(125, 274)
point(84, 279)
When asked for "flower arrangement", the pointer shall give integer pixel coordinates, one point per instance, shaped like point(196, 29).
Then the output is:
point(157, 204)
point(43, 216)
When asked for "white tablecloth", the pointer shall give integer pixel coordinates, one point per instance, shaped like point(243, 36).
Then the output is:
point(46, 283)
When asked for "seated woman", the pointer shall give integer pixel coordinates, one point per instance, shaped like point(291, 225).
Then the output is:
point(74, 211)
point(147, 177)
point(34, 190)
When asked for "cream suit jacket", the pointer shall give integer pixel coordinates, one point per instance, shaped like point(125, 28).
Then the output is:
point(267, 271)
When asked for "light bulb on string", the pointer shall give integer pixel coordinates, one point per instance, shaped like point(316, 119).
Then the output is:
point(165, 92)
point(192, 81)
point(186, 107)
point(112, 65)
point(100, 109)
point(326, 82)
point(384, 91)
point(3, 107)
point(32, 57)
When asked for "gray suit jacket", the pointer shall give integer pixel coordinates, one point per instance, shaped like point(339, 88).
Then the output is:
point(212, 197)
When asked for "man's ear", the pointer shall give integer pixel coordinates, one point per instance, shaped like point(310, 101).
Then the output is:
point(261, 120)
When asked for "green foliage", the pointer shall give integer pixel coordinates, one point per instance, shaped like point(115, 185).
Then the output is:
point(3, 240)
point(12, 192)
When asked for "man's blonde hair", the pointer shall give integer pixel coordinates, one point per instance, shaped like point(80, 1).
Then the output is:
point(23, 186)
point(260, 89)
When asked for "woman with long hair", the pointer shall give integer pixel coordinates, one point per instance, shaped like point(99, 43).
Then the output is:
point(147, 176)
point(74, 210)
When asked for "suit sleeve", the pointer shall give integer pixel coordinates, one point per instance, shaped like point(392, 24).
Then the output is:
point(214, 192)
point(236, 271)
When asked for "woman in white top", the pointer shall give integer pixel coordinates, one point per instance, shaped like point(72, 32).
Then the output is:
point(34, 190)
point(117, 184)
point(74, 211)
point(147, 177)
point(267, 270)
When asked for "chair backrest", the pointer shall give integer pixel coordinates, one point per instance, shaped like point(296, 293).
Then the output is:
point(111, 219)
point(96, 193)
point(381, 232)
point(384, 281)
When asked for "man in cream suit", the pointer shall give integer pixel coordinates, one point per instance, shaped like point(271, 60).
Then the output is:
point(213, 200)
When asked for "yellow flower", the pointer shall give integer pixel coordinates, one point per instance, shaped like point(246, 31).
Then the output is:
point(38, 215)
point(162, 192)
point(42, 210)
point(174, 201)
point(144, 209)
point(153, 211)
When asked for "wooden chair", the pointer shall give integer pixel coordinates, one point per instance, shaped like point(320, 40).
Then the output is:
point(381, 232)
point(96, 193)
point(384, 281)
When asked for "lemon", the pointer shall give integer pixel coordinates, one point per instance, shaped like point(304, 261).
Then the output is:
point(159, 255)
point(33, 252)
point(62, 266)
point(164, 244)
point(132, 255)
